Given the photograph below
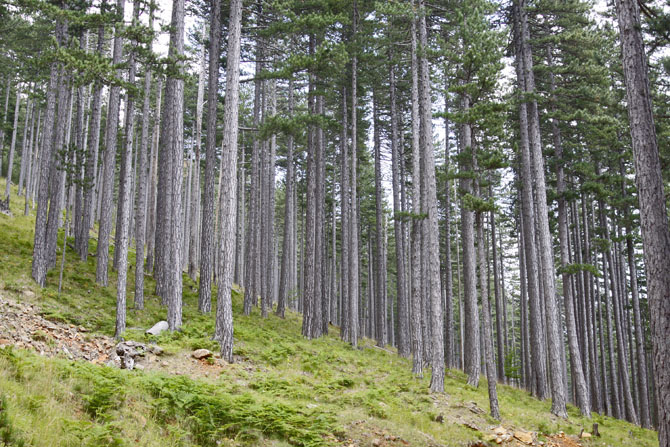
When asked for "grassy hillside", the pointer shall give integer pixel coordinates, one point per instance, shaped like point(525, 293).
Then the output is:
point(282, 390)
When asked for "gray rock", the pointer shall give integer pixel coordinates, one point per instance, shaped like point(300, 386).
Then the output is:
point(158, 328)
point(201, 354)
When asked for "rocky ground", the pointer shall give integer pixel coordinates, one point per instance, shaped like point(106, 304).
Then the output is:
point(22, 326)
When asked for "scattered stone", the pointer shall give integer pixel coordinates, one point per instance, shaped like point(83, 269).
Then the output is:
point(128, 352)
point(158, 328)
point(499, 440)
point(165, 364)
point(499, 431)
point(156, 350)
point(584, 434)
point(471, 426)
point(200, 354)
point(524, 436)
point(376, 442)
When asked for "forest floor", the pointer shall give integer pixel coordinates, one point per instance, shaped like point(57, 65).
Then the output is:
point(56, 388)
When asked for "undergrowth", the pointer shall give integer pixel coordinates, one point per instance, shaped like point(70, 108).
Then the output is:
point(282, 389)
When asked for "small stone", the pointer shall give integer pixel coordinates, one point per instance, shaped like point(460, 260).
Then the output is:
point(29, 293)
point(156, 350)
point(524, 437)
point(499, 440)
point(585, 435)
point(439, 418)
point(201, 354)
point(376, 442)
point(158, 328)
point(164, 364)
point(139, 366)
point(4, 342)
point(499, 431)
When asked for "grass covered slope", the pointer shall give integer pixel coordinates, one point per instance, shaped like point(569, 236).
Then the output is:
point(282, 390)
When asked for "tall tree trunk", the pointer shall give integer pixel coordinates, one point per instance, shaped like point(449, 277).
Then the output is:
point(554, 338)
point(345, 320)
point(580, 385)
point(403, 307)
point(353, 220)
point(433, 254)
point(310, 299)
point(251, 270)
point(380, 335)
point(92, 157)
point(228, 202)
point(142, 179)
point(125, 196)
point(4, 119)
point(12, 146)
point(470, 317)
point(40, 254)
point(487, 327)
point(170, 176)
point(207, 241)
point(109, 162)
point(538, 344)
point(194, 248)
point(416, 296)
point(284, 279)
point(153, 183)
point(653, 213)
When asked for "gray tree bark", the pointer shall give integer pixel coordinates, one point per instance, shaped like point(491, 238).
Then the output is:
point(433, 255)
point(170, 175)
point(353, 220)
point(12, 146)
point(207, 240)
point(284, 279)
point(125, 193)
point(142, 184)
point(228, 198)
point(416, 296)
point(109, 162)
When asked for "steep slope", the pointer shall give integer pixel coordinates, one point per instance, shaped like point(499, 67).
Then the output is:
point(282, 390)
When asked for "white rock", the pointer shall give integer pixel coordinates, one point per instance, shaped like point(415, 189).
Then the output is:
point(158, 328)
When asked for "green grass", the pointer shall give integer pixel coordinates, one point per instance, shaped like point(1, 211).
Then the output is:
point(283, 390)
